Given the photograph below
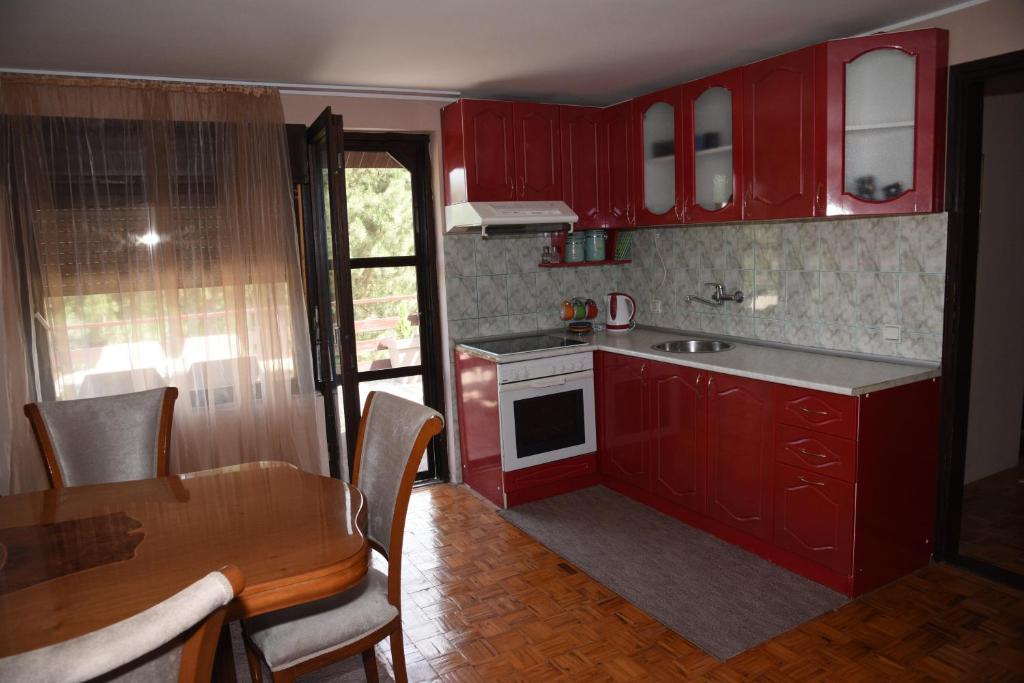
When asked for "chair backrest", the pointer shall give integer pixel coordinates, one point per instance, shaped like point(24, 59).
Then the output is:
point(175, 640)
point(393, 435)
point(106, 439)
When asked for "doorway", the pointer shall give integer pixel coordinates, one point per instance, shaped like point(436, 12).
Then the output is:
point(981, 513)
point(366, 233)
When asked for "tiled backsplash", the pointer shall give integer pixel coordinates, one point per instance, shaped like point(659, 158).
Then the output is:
point(829, 284)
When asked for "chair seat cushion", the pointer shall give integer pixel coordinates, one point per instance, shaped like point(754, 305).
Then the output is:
point(291, 636)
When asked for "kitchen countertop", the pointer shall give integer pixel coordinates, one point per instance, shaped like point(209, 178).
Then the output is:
point(824, 371)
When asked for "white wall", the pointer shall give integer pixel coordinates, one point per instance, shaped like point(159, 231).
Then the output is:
point(997, 364)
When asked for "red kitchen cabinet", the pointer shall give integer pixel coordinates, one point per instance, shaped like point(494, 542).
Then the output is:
point(501, 151)
point(712, 129)
point(658, 159)
point(584, 154)
point(677, 415)
point(538, 152)
point(623, 455)
point(619, 133)
point(739, 445)
point(778, 138)
point(882, 99)
point(814, 517)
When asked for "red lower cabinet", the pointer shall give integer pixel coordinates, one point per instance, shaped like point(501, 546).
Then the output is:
point(739, 428)
point(623, 453)
point(677, 415)
point(838, 488)
point(814, 517)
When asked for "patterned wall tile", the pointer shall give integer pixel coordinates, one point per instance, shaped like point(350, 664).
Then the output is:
point(921, 301)
point(923, 243)
point(461, 296)
point(803, 294)
point(878, 244)
point(839, 297)
point(800, 246)
point(492, 295)
point(522, 293)
point(770, 247)
point(877, 295)
point(838, 243)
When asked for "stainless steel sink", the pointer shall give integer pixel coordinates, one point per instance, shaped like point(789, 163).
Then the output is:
point(692, 346)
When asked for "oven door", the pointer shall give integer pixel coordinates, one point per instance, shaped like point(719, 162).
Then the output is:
point(547, 419)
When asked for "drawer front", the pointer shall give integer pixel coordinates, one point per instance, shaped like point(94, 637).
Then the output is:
point(816, 452)
point(814, 518)
point(817, 410)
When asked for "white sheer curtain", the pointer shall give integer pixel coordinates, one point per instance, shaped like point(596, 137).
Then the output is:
point(156, 247)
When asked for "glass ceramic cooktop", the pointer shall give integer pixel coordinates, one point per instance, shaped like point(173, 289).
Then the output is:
point(537, 342)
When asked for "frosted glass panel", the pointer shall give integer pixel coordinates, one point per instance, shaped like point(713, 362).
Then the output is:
point(880, 91)
point(712, 122)
point(659, 158)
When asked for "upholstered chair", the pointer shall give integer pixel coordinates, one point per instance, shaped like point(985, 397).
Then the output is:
point(393, 435)
point(175, 640)
point(106, 439)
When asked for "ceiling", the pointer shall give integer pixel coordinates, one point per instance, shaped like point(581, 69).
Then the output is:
point(572, 51)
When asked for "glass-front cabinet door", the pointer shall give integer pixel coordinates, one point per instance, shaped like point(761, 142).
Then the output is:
point(712, 121)
point(659, 168)
point(884, 103)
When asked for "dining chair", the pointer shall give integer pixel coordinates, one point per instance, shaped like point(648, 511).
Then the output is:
point(106, 439)
point(175, 640)
point(393, 434)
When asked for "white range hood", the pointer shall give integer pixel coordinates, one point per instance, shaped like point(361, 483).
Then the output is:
point(509, 218)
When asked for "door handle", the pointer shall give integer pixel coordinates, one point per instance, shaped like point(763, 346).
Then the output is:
point(808, 481)
point(804, 451)
point(811, 411)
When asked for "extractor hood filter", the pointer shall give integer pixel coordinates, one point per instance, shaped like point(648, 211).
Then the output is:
point(509, 218)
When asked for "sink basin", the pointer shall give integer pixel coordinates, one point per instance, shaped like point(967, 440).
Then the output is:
point(692, 346)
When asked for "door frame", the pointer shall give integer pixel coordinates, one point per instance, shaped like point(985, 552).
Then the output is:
point(963, 202)
point(413, 151)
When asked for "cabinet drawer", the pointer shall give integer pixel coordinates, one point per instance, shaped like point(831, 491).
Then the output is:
point(816, 452)
point(817, 410)
point(814, 517)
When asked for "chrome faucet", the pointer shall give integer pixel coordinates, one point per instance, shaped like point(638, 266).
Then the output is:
point(718, 298)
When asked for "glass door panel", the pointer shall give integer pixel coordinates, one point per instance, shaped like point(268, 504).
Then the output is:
point(659, 141)
point(879, 124)
point(380, 219)
point(713, 151)
point(386, 317)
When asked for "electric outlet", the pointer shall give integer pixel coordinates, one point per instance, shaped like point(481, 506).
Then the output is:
point(656, 306)
point(891, 332)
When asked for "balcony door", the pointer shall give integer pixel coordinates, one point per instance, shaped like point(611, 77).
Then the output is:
point(367, 234)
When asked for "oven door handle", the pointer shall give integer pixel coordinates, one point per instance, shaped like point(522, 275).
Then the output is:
point(544, 382)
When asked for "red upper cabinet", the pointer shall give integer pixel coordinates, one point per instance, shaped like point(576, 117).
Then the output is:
point(538, 153)
point(477, 143)
point(712, 144)
point(739, 443)
point(778, 138)
point(619, 133)
point(677, 418)
point(883, 137)
point(583, 163)
point(658, 171)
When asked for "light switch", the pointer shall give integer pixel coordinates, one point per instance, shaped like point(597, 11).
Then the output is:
point(656, 306)
point(891, 332)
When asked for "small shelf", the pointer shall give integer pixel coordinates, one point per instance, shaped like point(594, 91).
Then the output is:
point(880, 126)
point(713, 150)
point(606, 262)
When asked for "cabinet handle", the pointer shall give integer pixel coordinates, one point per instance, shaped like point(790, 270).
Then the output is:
point(804, 451)
point(643, 372)
point(811, 411)
point(808, 481)
point(819, 199)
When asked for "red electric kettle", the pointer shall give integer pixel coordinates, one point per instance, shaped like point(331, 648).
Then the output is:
point(621, 309)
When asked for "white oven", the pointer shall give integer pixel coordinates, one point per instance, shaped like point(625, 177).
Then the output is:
point(546, 409)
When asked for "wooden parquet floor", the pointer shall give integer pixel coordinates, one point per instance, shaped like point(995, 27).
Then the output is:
point(485, 602)
point(992, 527)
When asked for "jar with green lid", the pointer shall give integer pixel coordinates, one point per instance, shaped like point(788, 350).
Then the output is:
point(574, 248)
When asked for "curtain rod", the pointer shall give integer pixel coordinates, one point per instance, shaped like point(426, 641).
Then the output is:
point(382, 92)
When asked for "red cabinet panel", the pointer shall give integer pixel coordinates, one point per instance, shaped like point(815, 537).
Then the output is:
point(678, 416)
point(623, 452)
point(651, 161)
point(814, 517)
point(620, 145)
point(740, 453)
point(538, 153)
point(816, 452)
point(476, 384)
point(489, 142)
point(817, 410)
point(692, 211)
point(778, 168)
point(929, 48)
point(584, 157)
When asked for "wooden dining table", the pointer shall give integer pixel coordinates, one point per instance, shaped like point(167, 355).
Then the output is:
point(77, 559)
